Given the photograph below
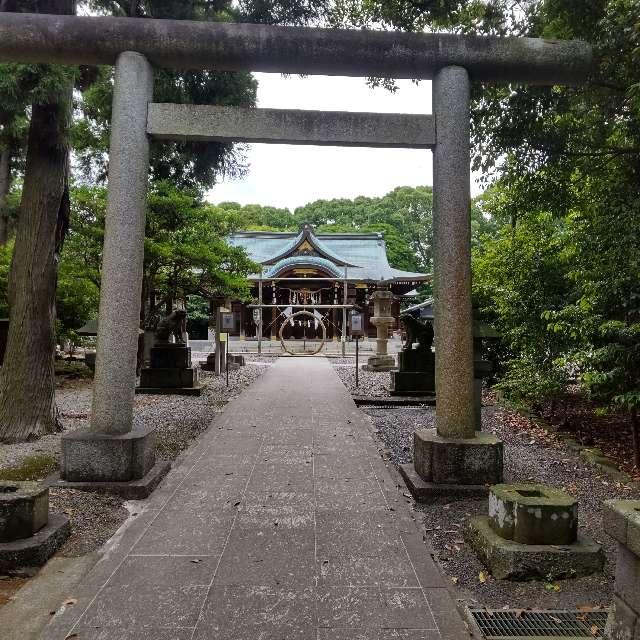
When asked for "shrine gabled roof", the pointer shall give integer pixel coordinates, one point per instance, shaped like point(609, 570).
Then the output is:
point(305, 242)
point(363, 254)
point(303, 261)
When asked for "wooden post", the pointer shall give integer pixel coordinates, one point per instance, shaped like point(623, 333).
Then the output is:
point(260, 319)
point(344, 313)
point(274, 321)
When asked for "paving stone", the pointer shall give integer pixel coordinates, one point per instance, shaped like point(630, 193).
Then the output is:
point(153, 591)
point(243, 612)
point(348, 495)
point(193, 534)
point(115, 633)
point(372, 607)
point(366, 568)
point(378, 634)
point(332, 465)
point(340, 532)
point(272, 556)
point(269, 514)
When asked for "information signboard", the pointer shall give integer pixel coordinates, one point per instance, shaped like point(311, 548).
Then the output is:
point(356, 323)
point(227, 321)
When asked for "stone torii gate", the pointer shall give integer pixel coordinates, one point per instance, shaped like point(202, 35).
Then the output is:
point(111, 451)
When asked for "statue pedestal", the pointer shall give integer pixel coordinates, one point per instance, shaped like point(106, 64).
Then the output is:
point(170, 372)
point(416, 375)
point(380, 363)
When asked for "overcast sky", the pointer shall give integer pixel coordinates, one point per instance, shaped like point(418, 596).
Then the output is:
point(290, 176)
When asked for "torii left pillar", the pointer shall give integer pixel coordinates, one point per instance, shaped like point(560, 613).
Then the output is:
point(111, 454)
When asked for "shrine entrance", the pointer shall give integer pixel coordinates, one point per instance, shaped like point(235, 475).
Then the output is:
point(309, 318)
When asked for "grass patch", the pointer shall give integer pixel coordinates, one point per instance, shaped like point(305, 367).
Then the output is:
point(72, 369)
point(35, 467)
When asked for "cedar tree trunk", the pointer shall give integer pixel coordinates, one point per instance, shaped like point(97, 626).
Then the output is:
point(27, 379)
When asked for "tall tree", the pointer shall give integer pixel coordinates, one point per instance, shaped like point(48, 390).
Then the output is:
point(27, 404)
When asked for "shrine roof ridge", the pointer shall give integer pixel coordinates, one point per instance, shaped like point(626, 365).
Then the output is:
point(367, 235)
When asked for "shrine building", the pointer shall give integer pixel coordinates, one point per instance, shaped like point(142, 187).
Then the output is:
point(328, 275)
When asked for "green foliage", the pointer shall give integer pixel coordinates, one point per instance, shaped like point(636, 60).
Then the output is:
point(518, 278)
point(185, 254)
point(185, 251)
point(6, 252)
point(571, 155)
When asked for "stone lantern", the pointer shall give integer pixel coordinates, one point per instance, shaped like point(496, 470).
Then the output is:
point(382, 320)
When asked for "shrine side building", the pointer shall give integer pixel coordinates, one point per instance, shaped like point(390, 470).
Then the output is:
point(329, 275)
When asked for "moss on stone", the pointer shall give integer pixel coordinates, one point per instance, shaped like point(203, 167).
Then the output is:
point(35, 467)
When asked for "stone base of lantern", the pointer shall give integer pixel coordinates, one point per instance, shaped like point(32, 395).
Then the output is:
point(35, 550)
point(511, 560)
point(532, 532)
point(29, 534)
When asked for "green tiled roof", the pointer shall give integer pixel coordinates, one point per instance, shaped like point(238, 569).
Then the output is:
point(365, 253)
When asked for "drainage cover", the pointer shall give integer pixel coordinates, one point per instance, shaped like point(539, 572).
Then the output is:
point(508, 624)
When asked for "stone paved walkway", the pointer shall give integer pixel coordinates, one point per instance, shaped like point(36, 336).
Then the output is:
point(281, 523)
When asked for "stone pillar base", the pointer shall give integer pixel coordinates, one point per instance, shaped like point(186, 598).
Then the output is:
point(474, 461)
point(380, 363)
point(622, 522)
point(124, 464)
point(35, 550)
point(507, 559)
point(427, 491)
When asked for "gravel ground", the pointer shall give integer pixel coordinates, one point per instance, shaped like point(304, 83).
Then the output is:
point(370, 383)
point(531, 454)
point(178, 421)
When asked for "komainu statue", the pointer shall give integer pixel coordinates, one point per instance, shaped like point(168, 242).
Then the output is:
point(417, 331)
point(175, 324)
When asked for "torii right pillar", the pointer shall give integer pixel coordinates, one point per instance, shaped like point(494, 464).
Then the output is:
point(453, 458)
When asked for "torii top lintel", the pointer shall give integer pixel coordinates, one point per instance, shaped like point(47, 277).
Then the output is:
point(41, 38)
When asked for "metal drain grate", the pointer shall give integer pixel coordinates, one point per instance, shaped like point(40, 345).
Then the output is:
point(510, 624)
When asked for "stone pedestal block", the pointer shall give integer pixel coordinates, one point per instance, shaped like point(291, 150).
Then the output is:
point(622, 522)
point(416, 375)
point(98, 457)
point(170, 357)
point(168, 378)
point(38, 548)
point(413, 383)
point(511, 560)
point(210, 364)
point(170, 371)
point(532, 532)
point(380, 363)
point(28, 536)
point(533, 514)
point(24, 509)
point(237, 359)
point(417, 360)
point(474, 461)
